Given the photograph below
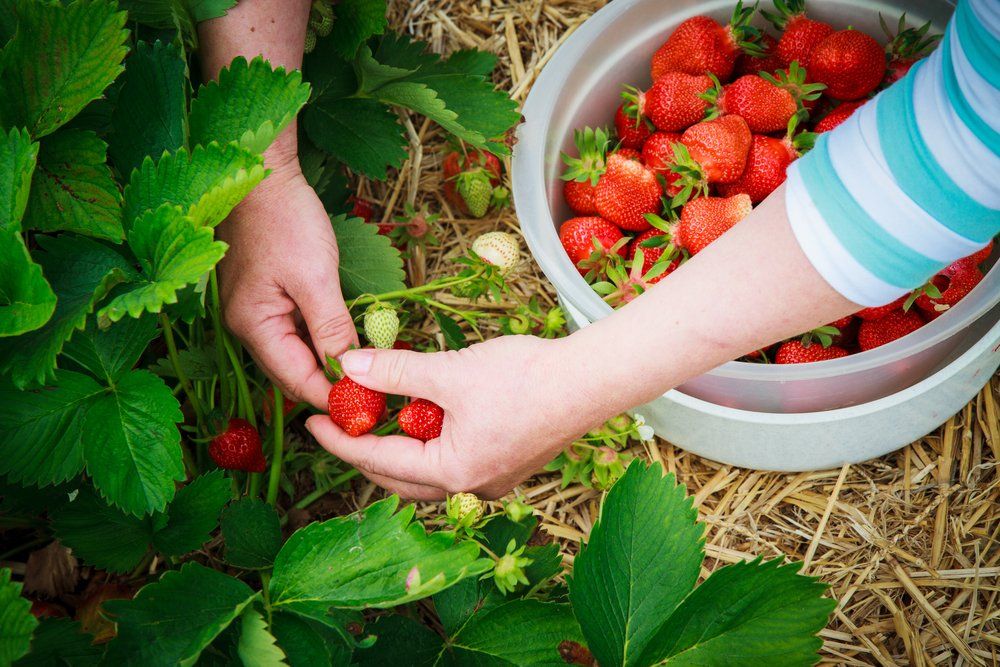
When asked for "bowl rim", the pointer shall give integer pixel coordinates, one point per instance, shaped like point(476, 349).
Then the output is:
point(530, 194)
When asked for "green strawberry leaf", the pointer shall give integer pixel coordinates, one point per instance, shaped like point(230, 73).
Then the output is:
point(17, 164)
point(198, 363)
point(193, 514)
point(252, 533)
point(746, 613)
point(250, 104)
point(181, 15)
point(363, 134)
point(41, 439)
point(150, 112)
point(61, 641)
point(26, 299)
point(109, 353)
point(16, 622)
point(307, 643)
point(377, 557)
point(257, 647)
point(400, 641)
point(60, 59)
point(355, 21)
point(205, 183)
point(454, 337)
point(173, 251)
point(81, 273)
point(101, 535)
point(132, 445)
point(642, 559)
point(172, 621)
point(73, 190)
point(373, 74)
point(369, 264)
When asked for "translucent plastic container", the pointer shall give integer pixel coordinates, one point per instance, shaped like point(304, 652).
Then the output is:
point(581, 85)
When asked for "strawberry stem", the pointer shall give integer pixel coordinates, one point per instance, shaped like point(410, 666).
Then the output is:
point(278, 452)
point(182, 378)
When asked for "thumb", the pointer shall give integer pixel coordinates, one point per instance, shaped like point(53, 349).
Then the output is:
point(329, 321)
point(398, 372)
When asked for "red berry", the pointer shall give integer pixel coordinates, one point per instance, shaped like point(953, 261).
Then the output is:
point(800, 38)
point(580, 197)
point(877, 312)
point(983, 255)
point(658, 155)
point(767, 162)
point(895, 325)
point(577, 236)
point(238, 447)
point(632, 130)
point(705, 219)
point(850, 63)
point(699, 45)
point(841, 113)
point(421, 419)
point(719, 147)
point(954, 282)
point(795, 352)
point(770, 62)
point(674, 102)
point(627, 192)
point(355, 408)
point(650, 256)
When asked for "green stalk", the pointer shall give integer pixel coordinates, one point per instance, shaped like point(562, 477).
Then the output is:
point(220, 334)
point(168, 336)
point(407, 293)
point(242, 388)
point(316, 494)
point(278, 423)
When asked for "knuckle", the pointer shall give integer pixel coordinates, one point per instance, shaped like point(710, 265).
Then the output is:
point(394, 367)
point(336, 326)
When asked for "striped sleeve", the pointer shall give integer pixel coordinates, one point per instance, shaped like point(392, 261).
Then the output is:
point(911, 181)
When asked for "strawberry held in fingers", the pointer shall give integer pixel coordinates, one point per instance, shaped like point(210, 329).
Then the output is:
point(797, 352)
point(578, 237)
point(354, 408)
point(583, 172)
point(850, 63)
point(839, 114)
point(421, 419)
point(895, 325)
point(631, 127)
point(705, 219)
point(700, 45)
point(800, 34)
point(238, 448)
point(674, 101)
point(626, 193)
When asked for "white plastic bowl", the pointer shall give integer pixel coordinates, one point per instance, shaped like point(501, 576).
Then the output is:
point(581, 85)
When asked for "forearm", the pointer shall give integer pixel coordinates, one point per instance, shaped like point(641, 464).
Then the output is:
point(752, 287)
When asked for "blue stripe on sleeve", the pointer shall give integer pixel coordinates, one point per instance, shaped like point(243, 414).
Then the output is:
point(866, 241)
point(957, 100)
point(982, 48)
point(919, 175)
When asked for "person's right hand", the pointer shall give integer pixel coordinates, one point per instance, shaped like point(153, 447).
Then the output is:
point(279, 283)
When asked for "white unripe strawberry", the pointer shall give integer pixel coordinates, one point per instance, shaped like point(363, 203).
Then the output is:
point(499, 249)
point(381, 326)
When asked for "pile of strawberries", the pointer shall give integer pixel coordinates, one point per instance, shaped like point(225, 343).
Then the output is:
point(730, 108)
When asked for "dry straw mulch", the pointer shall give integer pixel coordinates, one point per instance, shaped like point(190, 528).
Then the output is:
point(908, 542)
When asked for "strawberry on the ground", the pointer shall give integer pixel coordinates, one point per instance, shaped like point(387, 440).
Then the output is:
point(364, 209)
point(700, 45)
point(766, 102)
point(238, 447)
point(895, 325)
point(631, 126)
point(355, 408)
point(769, 62)
point(627, 192)
point(797, 352)
point(981, 256)
point(800, 34)
point(713, 151)
point(850, 63)
point(705, 219)
point(381, 324)
point(469, 180)
point(906, 46)
point(421, 419)
point(876, 312)
point(767, 163)
point(653, 243)
point(578, 235)
point(267, 405)
point(583, 172)
point(499, 249)
point(839, 114)
point(953, 283)
point(402, 345)
point(674, 101)
point(658, 154)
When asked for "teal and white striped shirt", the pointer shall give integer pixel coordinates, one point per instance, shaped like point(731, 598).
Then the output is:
point(911, 181)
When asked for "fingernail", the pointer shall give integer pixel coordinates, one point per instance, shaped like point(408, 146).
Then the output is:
point(357, 362)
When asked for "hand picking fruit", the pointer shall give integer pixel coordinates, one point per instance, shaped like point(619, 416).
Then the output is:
point(760, 184)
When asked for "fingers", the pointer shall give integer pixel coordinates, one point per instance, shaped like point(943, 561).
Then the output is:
point(405, 490)
point(327, 318)
point(287, 360)
point(398, 372)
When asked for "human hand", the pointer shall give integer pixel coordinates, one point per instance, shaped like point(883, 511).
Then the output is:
point(511, 404)
point(279, 283)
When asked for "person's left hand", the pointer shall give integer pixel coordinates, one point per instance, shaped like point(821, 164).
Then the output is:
point(511, 404)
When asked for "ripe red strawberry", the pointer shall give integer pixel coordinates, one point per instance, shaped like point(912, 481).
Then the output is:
point(238, 448)
point(700, 45)
point(895, 325)
point(705, 219)
point(767, 163)
point(848, 328)
point(577, 236)
point(402, 345)
point(627, 192)
point(983, 255)
point(364, 209)
point(714, 151)
point(769, 62)
point(796, 352)
point(954, 283)
point(658, 155)
point(467, 177)
point(267, 405)
point(632, 128)
point(354, 408)
point(629, 154)
point(583, 172)
point(765, 102)
point(674, 101)
point(877, 312)
point(839, 114)
point(800, 35)
point(653, 253)
point(421, 419)
point(906, 46)
point(850, 63)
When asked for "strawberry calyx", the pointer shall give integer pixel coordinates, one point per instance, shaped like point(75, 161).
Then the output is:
point(634, 106)
point(626, 282)
point(745, 36)
point(823, 335)
point(714, 98)
point(592, 145)
point(692, 180)
point(786, 11)
point(908, 44)
point(798, 144)
point(600, 259)
point(793, 80)
point(928, 289)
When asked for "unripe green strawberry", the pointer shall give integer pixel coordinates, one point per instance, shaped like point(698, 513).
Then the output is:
point(464, 510)
point(499, 249)
point(476, 191)
point(517, 511)
point(509, 569)
point(381, 326)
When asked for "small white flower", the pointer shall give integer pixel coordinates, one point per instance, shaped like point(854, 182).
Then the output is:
point(638, 419)
point(645, 433)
